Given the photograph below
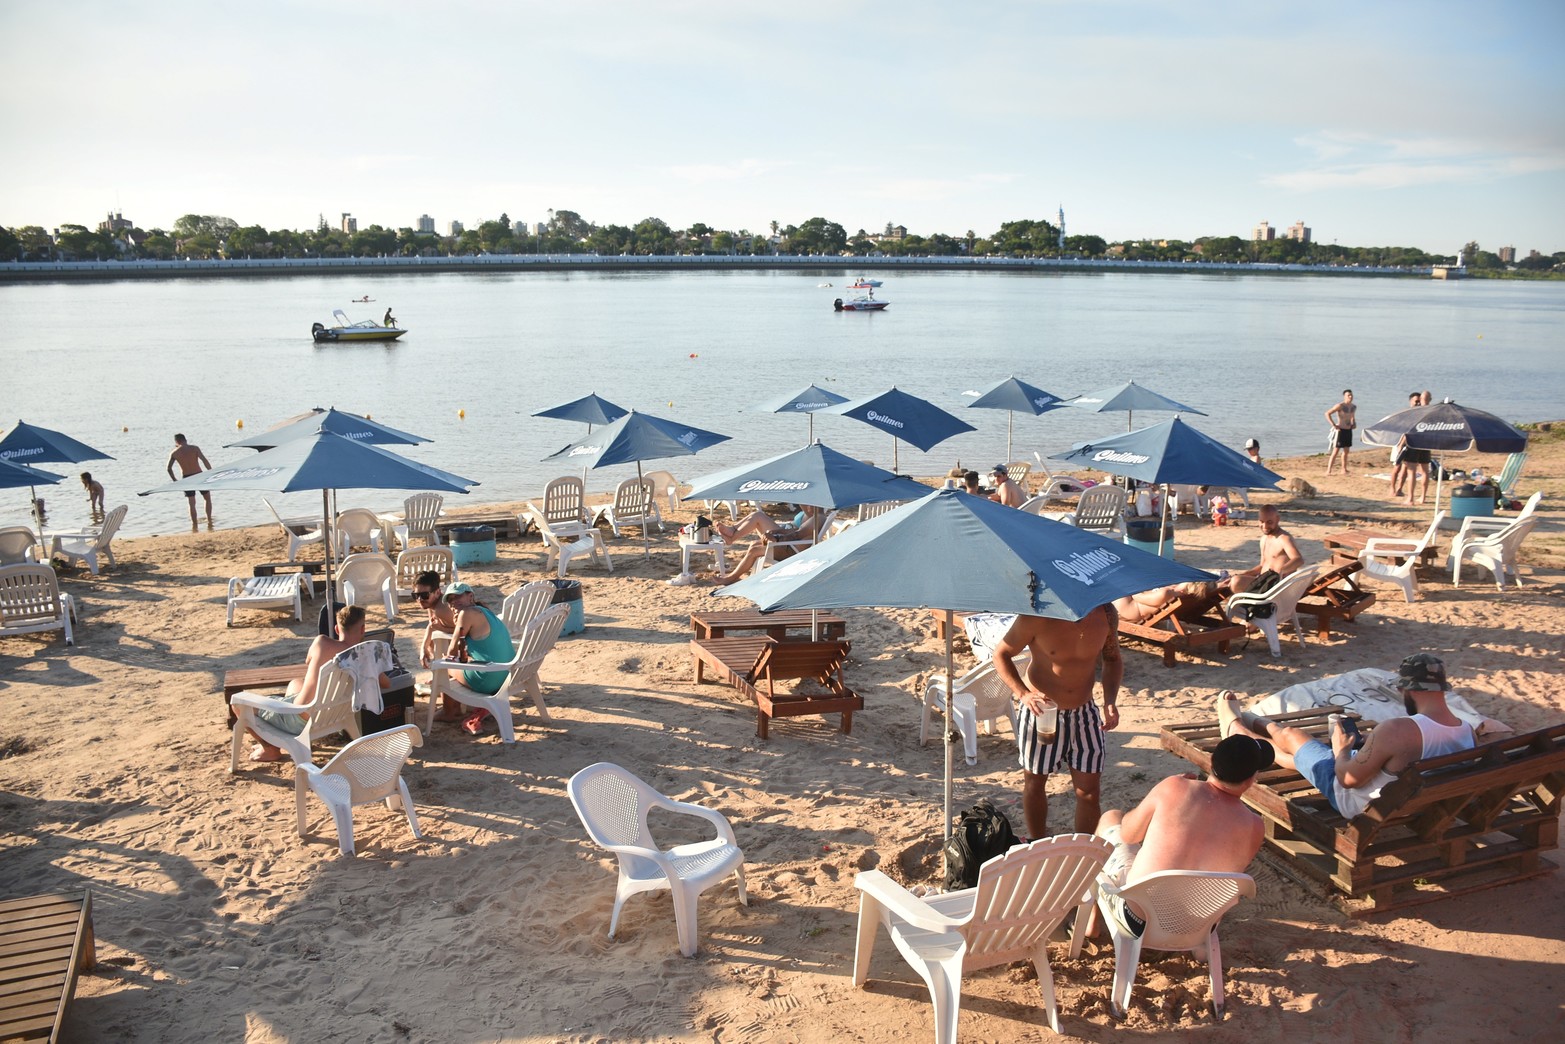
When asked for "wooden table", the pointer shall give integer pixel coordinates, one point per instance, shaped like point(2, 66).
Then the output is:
point(775, 625)
point(1349, 542)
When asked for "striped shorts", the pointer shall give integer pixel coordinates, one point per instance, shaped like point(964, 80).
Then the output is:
point(1078, 745)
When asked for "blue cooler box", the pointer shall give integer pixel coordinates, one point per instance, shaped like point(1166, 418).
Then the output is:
point(568, 593)
point(1468, 501)
point(473, 545)
point(1141, 534)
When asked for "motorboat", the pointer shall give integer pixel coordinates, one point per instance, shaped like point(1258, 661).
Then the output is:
point(865, 283)
point(864, 303)
point(363, 330)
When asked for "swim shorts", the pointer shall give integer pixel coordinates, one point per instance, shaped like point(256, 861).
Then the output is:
point(1077, 745)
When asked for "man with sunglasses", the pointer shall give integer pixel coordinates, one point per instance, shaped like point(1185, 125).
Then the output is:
point(442, 618)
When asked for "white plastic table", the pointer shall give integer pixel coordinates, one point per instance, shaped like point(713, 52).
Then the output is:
point(687, 547)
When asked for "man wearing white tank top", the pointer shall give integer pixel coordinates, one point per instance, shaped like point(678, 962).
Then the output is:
point(1352, 776)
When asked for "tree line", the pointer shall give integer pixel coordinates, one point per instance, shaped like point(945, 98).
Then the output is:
point(206, 236)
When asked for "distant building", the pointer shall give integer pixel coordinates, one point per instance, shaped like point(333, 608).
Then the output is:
point(1298, 232)
point(350, 224)
point(1263, 233)
point(426, 225)
point(518, 228)
point(1507, 255)
point(456, 228)
point(115, 223)
point(540, 229)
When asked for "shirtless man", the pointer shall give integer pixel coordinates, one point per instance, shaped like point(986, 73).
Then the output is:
point(1344, 418)
point(442, 618)
point(191, 461)
point(1278, 553)
point(1006, 491)
point(1186, 823)
point(1065, 656)
point(350, 632)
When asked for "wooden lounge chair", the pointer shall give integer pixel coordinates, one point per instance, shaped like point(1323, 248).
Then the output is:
point(1335, 595)
point(755, 665)
point(1174, 634)
point(46, 940)
point(1445, 826)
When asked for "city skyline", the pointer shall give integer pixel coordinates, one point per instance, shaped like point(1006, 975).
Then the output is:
point(1423, 125)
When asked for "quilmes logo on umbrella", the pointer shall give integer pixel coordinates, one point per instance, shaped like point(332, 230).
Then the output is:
point(794, 567)
point(811, 405)
point(881, 418)
point(580, 450)
point(1082, 568)
point(22, 451)
point(1044, 400)
point(687, 439)
point(1121, 457)
point(772, 485)
point(241, 474)
point(1439, 426)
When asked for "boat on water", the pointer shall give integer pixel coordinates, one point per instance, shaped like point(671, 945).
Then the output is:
point(865, 283)
point(363, 330)
point(863, 303)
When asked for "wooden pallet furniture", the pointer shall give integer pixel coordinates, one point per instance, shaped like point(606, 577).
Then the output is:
point(755, 665)
point(1167, 631)
point(778, 625)
point(1446, 826)
point(1335, 595)
point(506, 526)
point(45, 940)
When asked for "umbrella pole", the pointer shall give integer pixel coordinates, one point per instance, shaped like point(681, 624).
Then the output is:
point(1439, 480)
point(1010, 424)
point(329, 530)
point(950, 674)
point(1162, 520)
point(646, 551)
point(895, 467)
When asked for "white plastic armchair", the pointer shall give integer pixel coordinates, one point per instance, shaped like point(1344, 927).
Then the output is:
point(359, 527)
point(1393, 560)
point(568, 541)
point(979, 697)
point(1019, 470)
point(297, 539)
point(330, 712)
point(1021, 897)
point(1494, 551)
point(30, 601)
point(366, 576)
point(1284, 599)
point(634, 505)
point(523, 604)
point(769, 556)
point(1479, 526)
point(1182, 909)
point(87, 545)
point(521, 674)
point(1099, 509)
point(415, 560)
point(564, 502)
point(367, 770)
point(18, 545)
point(420, 512)
point(864, 514)
point(613, 805)
point(664, 482)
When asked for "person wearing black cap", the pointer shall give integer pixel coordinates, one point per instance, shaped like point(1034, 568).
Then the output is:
point(1006, 491)
point(1352, 777)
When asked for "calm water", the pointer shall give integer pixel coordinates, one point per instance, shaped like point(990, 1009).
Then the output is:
point(122, 366)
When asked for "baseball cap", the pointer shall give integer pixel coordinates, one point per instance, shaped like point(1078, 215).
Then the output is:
point(1237, 758)
point(1000, 469)
point(1251, 444)
point(456, 589)
point(1422, 672)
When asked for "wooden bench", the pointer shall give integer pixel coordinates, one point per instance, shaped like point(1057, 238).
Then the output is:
point(774, 625)
point(755, 665)
point(44, 941)
point(1174, 635)
point(1335, 595)
point(1446, 826)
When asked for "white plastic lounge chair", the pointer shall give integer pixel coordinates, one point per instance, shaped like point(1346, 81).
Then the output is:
point(634, 505)
point(367, 770)
point(297, 539)
point(330, 712)
point(525, 603)
point(1284, 599)
point(420, 512)
point(278, 591)
point(30, 601)
point(359, 527)
point(1019, 470)
point(87, 545)
point(979, 698)
point(613, 804)
point(416, 560)
point(537, 639)
point(1021, 897)
point(566, 541)
point(1182, 909)
point(769, 556)
point(1393, 560)
point(1100, 509)
point(18, 545)
point(365, 577)
point(1496, 551)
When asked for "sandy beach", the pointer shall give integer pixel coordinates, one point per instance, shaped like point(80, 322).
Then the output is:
point(216, 921)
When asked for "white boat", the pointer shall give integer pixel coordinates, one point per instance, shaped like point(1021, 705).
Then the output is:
point(865, 283)
point(864, 303)
point(363, 330)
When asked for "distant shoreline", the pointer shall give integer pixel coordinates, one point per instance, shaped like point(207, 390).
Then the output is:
point(73, 271)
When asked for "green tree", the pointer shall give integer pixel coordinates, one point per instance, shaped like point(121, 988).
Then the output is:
point(723, 242)
point(569, 225)
point(372, 242)
point(10, 245)
point(85, 244)
point(1027, 238)
point(1088, 246)
point(818, 236)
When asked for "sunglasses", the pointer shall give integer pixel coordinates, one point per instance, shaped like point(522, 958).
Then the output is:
point(421, 595)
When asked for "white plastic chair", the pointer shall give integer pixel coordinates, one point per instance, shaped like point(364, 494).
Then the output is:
point(1495, 551)
point(634, 505)
point(1479, 526)
point(1021, 897)
point(1182, 909)
point(367, 770)
point(864, 514)
point(568, 541)
point(87, 545)
point(415, 560)
point(613, 804)
point(1284, 599)
point(420, 512)
point(1019, 470)
point(30, 601)
point(1393, 560)
point(330, 712)
point(296, 540)
point(366, 576)
point(522, 605)
point(17, 545)
point(979, 697)
point(535, 643)
point(359, 527)
point(564, 501)
point(1099, 509)
point(665, 482)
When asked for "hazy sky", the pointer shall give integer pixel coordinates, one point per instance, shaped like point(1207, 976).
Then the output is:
point(1423, 124)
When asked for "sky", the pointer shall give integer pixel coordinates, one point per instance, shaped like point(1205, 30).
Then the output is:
point(1427, 124)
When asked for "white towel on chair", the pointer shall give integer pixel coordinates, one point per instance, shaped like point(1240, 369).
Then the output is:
point(367, 661)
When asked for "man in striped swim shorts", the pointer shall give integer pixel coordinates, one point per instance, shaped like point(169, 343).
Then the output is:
point(1061, 670)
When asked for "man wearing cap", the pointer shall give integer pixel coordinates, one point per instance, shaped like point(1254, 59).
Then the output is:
point(1188, 824)
point(485, 638)
point(1006, 491)
point(1351, 778)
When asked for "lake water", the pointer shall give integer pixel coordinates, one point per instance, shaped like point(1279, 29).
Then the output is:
point(122, 366)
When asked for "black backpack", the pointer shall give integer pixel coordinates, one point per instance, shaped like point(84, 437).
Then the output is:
point(1263, 583)
point(982, 833)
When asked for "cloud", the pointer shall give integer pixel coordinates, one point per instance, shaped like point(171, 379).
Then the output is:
point(1360, 161)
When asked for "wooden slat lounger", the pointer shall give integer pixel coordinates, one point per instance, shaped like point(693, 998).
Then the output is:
point(755, 665)
point(44, 941)
point(1335, 595)
point(1174, 635)
point(776, 625)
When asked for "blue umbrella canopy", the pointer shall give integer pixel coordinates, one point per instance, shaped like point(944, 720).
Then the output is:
point(636, 437)
point(1171, 452)
point(1015, 396)
point(816, 475)
point(1128, 398)
point(907, 418)
point(589, 409)
point(806, 402)
point(30, 444)
point(1447, 426)
point(14, 476)
point(348, 425)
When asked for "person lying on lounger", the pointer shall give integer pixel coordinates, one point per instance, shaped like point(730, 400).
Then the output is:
point(767, 530)
point(1195, 599)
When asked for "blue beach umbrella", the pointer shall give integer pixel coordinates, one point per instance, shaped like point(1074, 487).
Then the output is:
point(348, 425)
point(15, 476)
point(816, 475)
point(1015, 396)
point(907, 418)
point(806, 402)
point(1129, 397)
point(961, 553)
point(1447, 427)
point(589, 410)
point(29, 444)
